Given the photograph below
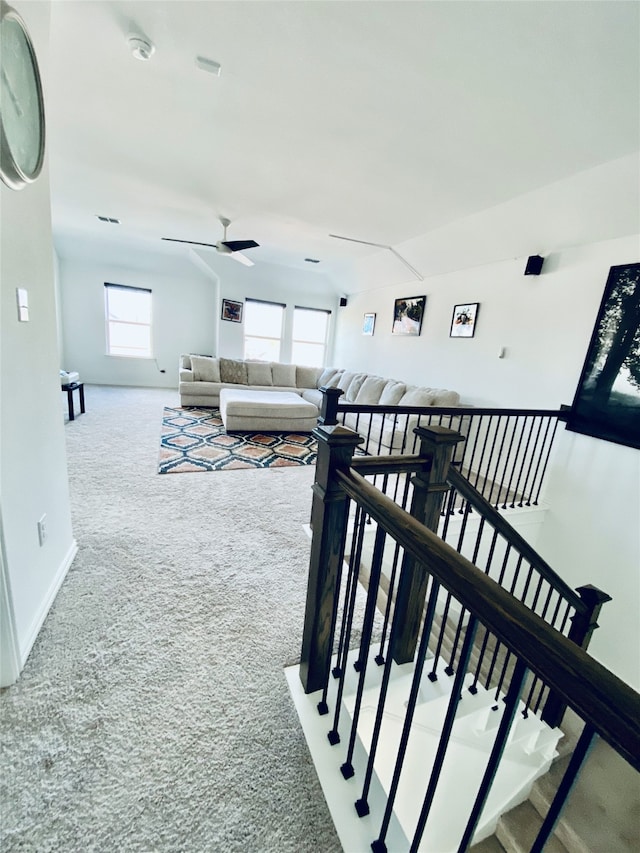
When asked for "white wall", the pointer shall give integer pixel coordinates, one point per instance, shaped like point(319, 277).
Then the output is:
point(184, 306)
point(581, 226)
point(187, 291)
point(33, 470)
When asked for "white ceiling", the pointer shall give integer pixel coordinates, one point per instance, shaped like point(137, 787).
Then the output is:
point(376, 120)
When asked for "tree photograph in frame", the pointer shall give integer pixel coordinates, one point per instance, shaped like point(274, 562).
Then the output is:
point(368, 324)
point(407, 315)
point(463, 322)
point(232, 311)
point(607, 400)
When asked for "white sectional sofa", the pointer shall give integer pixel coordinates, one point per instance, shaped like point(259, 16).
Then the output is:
point(203, 377)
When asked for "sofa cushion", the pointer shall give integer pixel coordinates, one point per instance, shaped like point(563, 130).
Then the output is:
point(370, 390)
point(306, 377)
point(284, 375)
point(392, 393)
point(333, 382)
point(327, 374)
point(354, 386)
point(259, 373)
point(233, 370)
point(418, 397)
point(205, 369)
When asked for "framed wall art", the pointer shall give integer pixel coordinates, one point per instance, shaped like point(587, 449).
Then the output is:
point(607, 400)
point(232, 311)
point(407, 315)
point(368, 324)
point(463, 321)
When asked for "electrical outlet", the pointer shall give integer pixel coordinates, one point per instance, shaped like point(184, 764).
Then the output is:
point(42, 530)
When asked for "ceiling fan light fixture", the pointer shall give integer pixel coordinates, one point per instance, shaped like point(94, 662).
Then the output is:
point(141, 48)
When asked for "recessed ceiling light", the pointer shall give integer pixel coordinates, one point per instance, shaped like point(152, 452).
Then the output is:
point(141, 48)
point(312, 260)
point(209, 65)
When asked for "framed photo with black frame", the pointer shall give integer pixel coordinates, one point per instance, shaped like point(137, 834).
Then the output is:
point(607, 401)
point(232, 311)
point(408, 312)
point(463, 321)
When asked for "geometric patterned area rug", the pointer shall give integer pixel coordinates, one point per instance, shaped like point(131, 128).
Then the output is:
point(195, 440)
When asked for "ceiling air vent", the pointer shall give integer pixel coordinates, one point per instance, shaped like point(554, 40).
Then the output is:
point(312, 260)
point(108, 219)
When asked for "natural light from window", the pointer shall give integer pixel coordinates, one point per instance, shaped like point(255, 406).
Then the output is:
point(263, 329)
point(309, 343)
point(128, 312)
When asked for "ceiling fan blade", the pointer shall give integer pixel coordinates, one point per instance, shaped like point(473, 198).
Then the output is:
point(238, 256)
point(191, 242)
point(239, 245)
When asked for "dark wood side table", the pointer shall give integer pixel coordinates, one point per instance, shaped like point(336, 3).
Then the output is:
point(74, 386)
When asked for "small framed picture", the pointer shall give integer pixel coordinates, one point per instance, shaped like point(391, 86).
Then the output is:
point(407, 315)
point(463, 322)
point(232, 311)
point(368, 324)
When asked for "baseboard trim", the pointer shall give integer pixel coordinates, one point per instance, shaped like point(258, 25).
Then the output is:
point(41, 615)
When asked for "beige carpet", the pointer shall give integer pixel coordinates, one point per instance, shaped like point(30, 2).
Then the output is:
point(153, 715)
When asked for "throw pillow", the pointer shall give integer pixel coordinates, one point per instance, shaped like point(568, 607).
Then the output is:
point(284, 375)
point(392, 393)
point(259, 373)
point(233, 371)
point(345, 380)
point(327, 374)
point(306, 377)
point(333, 382)
point(354, 386)
point(370, 390)
point(205, 369)
point(419, 397)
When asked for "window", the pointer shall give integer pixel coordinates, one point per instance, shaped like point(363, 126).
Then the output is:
point(263, 329)
point(128, 312)
point(310, 329)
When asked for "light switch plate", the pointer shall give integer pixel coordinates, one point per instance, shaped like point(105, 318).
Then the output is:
point(23, 304)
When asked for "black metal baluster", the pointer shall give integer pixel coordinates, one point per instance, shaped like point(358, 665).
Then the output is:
point(495, 478)
point(446, 733)
point(546, 462)
point(362, 806)
point(532, 457)
point(387, 610)
point(473, 452)
point(350, 603)
point(365, 642)
point(484, 448)
point(487, 479)
point(511, 706)
point(540, 456)
point(505, 469)
point(379, 845)
point(583, 747)
point(515, 463)
point(522, 464)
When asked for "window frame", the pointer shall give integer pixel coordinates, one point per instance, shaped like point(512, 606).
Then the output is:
point(248, 300)
point(295, 340)
point(111, 286)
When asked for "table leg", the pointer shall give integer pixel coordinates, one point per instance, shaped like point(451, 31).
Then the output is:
point(81, 390)
point(70, 402)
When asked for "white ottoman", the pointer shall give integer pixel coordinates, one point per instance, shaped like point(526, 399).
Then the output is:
point(266, 411)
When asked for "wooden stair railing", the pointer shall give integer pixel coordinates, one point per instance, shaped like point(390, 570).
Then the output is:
point(608, 706)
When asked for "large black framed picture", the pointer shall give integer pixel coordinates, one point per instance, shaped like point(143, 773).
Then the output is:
point(607, 400)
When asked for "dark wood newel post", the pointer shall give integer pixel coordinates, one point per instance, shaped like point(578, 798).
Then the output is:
point(437, 445)
point(329, 515)
point(583, 624)
point(329, 407)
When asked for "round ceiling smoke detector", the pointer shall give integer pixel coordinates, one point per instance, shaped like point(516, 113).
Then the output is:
point(141, 48)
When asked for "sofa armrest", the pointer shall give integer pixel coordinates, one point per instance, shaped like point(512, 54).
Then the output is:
point(186, 375)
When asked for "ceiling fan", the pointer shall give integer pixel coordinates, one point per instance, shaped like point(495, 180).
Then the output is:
point(382, 246)
point(233, 248)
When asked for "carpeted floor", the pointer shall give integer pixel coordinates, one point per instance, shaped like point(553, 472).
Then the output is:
point(153, 714)
point(195, 440)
